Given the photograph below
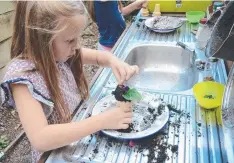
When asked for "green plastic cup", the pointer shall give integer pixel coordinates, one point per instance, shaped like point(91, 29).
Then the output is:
point(195, 16)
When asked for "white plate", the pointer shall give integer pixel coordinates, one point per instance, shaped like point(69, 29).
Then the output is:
point(176, 23)
point(163, 31)
point(148, 100)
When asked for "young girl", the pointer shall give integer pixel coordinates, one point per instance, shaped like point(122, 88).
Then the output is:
point(45, 78)
point(108, 16)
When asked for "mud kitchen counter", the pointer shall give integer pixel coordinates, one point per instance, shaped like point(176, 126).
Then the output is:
point(191, 135)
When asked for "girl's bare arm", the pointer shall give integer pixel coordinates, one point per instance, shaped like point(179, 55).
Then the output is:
point(96, 57)
point(121, 70)
point(133, 6)
point(44, 137)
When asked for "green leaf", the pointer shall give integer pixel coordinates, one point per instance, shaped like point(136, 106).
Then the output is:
point(132, 94)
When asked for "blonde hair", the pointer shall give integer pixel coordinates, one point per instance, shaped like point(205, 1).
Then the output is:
point(92, 12)
point(35, 26)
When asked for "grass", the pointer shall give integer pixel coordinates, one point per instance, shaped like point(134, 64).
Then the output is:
point(4, 142)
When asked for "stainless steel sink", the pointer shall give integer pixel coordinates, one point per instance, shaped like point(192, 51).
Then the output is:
point(200, 137)
point(162, 68)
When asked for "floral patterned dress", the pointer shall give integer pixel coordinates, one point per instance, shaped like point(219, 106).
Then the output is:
point(18, 73)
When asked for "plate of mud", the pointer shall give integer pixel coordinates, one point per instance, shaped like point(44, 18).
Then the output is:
point(164, 24)
point(150, 115)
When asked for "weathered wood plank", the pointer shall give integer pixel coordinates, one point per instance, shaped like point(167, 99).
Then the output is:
point(2, 72)
point(6, 24)
point(6, 6)
point(5, 52)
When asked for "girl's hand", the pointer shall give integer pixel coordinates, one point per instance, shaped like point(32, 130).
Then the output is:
point(117, 118)
point(122, 70)
point(139, 3)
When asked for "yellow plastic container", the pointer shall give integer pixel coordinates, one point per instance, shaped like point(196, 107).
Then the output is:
point(209, 88)
point(187, 5)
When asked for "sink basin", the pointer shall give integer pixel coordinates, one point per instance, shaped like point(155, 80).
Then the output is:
point(162, 68)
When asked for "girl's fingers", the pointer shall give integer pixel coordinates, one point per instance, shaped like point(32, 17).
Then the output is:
point(123, 74)
point(128, 115)
point(127, 109)
point(127, 120)
point(123, 126)
point(136, 69)
point(117, 75)
point(123, 71)
point(130, 72)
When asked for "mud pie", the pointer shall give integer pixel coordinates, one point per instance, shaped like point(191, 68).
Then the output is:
point(124, 96)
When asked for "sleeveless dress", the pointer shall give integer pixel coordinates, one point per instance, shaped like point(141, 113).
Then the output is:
point(17, 73)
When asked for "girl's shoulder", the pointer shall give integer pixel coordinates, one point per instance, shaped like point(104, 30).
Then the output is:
point(20, 71)
point(18, 67)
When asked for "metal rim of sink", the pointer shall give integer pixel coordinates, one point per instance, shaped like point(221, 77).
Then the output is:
point(228, 101)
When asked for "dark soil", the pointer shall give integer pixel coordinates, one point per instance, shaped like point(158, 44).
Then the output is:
point(128, 130)
point(119, 92)
point(132, 128)
point(156, 145)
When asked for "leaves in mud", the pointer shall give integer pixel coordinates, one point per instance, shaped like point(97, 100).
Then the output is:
point(132, 94)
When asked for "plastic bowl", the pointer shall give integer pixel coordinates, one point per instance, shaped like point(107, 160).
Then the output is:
point(209, 94)
point(195, 16)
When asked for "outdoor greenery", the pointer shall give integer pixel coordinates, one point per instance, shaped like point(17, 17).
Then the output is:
point(3, 142)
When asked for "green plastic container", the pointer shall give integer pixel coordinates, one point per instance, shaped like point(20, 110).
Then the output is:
point(195, 16)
